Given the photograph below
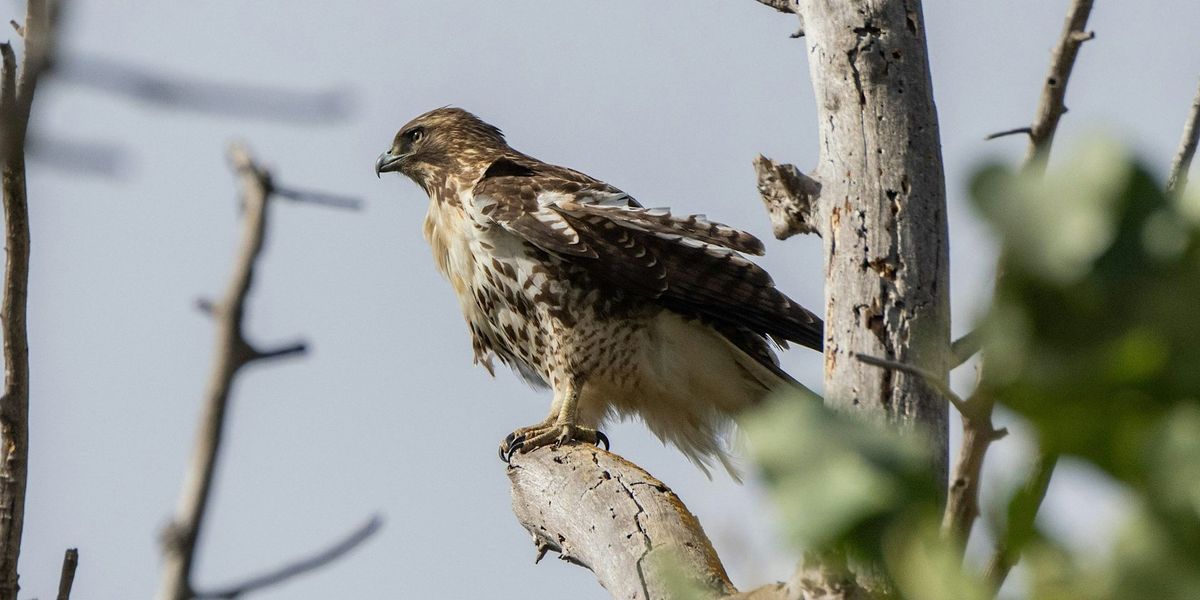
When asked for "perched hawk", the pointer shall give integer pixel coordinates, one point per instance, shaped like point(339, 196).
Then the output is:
point(621, 310)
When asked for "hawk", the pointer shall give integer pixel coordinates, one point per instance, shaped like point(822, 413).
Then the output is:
point(621, 310)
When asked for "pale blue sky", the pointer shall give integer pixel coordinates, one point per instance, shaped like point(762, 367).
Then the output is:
point(668, 100)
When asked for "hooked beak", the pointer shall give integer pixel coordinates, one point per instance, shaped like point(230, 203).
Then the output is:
point(387, 163)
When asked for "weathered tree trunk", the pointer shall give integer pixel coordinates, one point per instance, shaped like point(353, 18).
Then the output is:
point(877, 198)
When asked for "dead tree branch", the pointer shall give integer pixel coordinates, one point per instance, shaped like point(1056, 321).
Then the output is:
point(965, 347)
point(232, 352)
point(962, 498)
point(67, 578)
point(311, 563)
point(17, 88)
point(602, 512)
point(940, 385)
point(1062, 62)
point(1177, 181)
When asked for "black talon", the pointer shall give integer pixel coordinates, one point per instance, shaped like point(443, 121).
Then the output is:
point(600, 437)
point(512, 444)
point(505, 445)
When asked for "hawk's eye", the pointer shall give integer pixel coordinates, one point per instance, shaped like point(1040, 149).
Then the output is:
point(416, 135)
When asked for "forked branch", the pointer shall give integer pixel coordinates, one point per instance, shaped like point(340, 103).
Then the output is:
point(232, 352)
point(1051, 107)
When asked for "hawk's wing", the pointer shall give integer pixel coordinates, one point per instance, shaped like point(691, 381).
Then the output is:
point(686, 264)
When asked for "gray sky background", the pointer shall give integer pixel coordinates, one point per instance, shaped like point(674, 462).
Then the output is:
point(669, 100)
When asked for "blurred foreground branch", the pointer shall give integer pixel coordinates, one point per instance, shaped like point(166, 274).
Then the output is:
point(353, 540)
point(232, 352)
point(213, 97)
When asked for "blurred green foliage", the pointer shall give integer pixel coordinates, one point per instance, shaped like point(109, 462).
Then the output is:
point(1094, 338)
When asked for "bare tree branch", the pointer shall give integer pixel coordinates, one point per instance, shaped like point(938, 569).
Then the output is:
point(299, 567)
point(965, 347)
point(67, 578)
point(1177, 181)
point(962, 498)
point(1051, 107)
point(232, 353)
point(933, 380)
point(604, 513)
point(292, 349)
point(1029, 498)
point(17, 88)
point(1007, 132)
point(213, 97)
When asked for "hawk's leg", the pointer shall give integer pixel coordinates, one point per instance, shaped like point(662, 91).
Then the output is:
point(558, 428)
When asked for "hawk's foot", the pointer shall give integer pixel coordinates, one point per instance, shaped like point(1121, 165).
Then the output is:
point(529, 438)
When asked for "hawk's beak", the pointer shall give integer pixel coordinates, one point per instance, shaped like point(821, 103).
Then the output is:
point(387, 163)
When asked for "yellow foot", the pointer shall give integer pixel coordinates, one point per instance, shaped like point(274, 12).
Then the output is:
point(529, 438)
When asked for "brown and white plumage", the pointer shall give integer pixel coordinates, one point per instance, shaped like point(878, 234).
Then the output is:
point(620, 309)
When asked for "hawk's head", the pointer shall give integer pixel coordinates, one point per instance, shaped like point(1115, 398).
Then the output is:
point(441, 143)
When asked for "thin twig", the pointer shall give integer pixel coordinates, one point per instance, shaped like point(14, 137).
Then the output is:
point(322, 198)
point(1051, 107)
point(1177, 182)
point(1014, 131)
point(67, 578)
point(298, 567)
point(932, 380)
point(17, 89)
point(232, 353)
point(293, 349)
point(965, 347)
point(1028, 500)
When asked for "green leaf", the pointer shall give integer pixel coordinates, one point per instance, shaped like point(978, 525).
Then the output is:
point(1094, 334)
point(838, 482)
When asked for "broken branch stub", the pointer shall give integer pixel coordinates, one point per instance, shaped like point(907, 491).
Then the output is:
point(790, 197)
